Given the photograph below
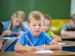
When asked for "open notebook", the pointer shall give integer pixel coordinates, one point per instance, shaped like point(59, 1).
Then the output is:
point(44, 51)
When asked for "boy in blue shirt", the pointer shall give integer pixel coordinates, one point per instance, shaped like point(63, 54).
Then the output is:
point(37, 37)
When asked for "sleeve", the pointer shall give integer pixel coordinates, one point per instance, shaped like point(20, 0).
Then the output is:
point(47, 39)
point(23, 28)
point(51, 33)
point(4, 26)
point(64, 26)
point(22, 39)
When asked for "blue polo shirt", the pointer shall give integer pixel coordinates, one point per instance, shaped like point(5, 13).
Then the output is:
point(41, 40)
point(6, 25)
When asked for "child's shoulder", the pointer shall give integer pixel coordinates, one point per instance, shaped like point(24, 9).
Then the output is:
point(42, 33)
point(6, 22)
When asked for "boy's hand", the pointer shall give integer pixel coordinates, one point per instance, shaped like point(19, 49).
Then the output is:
point(8, 32)
point(40, 48)
point(32, 49)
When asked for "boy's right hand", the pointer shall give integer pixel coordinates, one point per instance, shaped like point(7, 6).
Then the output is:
point(8, 32)
point(32, 49)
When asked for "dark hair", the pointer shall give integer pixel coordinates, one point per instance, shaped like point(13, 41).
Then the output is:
point(47, 17)
point(1, 28)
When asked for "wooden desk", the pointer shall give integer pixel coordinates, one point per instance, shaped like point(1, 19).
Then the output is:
point(67, 37)
point(69, 46)
point(56, 53)
point(68, 43)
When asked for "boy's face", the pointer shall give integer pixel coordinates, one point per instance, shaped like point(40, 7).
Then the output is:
point(17, 22)
point(35, 27)
point(46, 25)
point(71, 23)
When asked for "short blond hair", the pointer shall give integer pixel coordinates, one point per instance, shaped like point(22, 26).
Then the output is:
point(37, 15)
point(72, 16)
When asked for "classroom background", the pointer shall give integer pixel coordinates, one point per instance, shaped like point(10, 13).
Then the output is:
point(59, 10)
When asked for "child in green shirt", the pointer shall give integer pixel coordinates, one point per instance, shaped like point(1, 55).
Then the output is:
point(46, 27)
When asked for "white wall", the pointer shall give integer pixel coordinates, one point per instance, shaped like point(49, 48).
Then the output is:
point(72, 7)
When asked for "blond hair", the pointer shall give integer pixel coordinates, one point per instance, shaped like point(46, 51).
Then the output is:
point(37, 15)
point(72, 16)
point(18, 15)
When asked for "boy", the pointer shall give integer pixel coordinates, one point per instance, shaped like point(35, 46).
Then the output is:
point(69, 28)
point(46, 27)
point(36, 35)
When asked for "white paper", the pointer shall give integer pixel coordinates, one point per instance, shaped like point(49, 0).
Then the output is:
point(62, 43)
point(9, 38)
point(44, 51)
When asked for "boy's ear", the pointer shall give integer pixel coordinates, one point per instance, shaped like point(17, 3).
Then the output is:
point(28, 24)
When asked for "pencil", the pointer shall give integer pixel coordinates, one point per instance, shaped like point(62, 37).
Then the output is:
point(29, 40)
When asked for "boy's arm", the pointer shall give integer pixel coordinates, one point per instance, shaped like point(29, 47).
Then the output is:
point(56, 38)
point(19, 47)
point(52, 45)
point(63, 32)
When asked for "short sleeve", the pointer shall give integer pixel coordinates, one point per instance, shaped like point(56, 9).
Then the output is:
point(47, 39)
point(22, 39)
point(5, 26)
point(23, 28)
point(64, 26)
point(49, 33)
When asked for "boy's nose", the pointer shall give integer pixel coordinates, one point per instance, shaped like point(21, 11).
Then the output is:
point(37, 26)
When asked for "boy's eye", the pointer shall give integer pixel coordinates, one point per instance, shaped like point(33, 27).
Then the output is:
point(34, 25)
point(40, 25)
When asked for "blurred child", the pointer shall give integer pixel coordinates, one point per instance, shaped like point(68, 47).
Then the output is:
point(1, 31)
point(13, 26)
point(37, 37)
point(69, 28)
point(46, 27)
point(1, 28)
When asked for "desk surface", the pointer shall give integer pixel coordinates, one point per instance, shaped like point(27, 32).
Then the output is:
point(68, 43)
point(56, 52)
point(67, 37)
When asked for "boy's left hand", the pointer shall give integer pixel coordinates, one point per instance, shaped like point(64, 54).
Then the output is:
point(40, 48)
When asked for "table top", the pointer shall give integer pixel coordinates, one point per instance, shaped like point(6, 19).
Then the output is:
point(56, 52)
point(67, 37)
point(68, 43)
